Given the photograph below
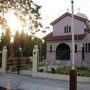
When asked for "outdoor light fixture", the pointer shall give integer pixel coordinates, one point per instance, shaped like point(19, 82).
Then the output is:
point(12, 41)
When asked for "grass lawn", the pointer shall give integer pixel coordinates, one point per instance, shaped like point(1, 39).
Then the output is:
point(62, 70)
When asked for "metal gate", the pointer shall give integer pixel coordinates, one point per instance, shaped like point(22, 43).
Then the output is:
point(19, 62)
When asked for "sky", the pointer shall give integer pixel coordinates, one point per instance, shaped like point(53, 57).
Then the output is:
point(52, 9)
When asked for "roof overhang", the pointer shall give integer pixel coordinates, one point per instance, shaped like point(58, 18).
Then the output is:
point(64, 37)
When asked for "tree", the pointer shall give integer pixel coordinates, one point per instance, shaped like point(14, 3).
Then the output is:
point(1, 41)
point(28, 43)
point(5, 39)
point(16, 43)
point(38, 41)
point(25, 10)
point(22, 40)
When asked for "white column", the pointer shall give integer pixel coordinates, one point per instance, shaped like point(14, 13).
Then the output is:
point(35, 60)
point(72, 29)
point(4, 59)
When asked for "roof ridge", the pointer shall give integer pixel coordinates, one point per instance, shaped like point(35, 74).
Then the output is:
point(68, 14)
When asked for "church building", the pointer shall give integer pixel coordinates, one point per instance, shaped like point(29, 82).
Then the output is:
point(59, 41)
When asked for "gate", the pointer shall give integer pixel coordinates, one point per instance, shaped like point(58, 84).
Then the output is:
point(20, 62)
point(48, 61)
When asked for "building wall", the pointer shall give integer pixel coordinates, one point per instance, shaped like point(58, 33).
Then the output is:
point(87, 54)
point(51, 57)
point(58, 28)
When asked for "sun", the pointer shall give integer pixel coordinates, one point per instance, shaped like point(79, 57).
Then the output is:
point(13, 22)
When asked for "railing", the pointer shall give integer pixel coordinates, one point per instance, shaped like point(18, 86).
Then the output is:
point(48, 62)
point(20, 60)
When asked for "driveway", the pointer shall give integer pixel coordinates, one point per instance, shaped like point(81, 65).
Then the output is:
point(25, 82)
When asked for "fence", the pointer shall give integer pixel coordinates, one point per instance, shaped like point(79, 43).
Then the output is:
point(61, 62)
point(49, 62)
point(16, 62)
point(40, 69)
point(40, 66)
point(20, 60)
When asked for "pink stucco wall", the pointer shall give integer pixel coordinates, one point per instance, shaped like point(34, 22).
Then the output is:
point(58, 28)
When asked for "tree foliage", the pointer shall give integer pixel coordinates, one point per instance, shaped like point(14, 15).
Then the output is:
point(38, 41)
point(25, 41)
point(16, 41)
point(5, 39)
point(28, 14)
point(25, 10)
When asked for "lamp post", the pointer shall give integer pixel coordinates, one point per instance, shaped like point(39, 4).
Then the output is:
point(73, 72)
point(12, 41)
point(19, 60)
point(18, 53)
point(20, 49)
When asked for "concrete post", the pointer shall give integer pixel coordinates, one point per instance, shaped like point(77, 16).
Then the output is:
point(4, 59)
point(35, 60)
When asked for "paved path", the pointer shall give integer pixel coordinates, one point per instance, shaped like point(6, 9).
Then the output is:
point(24, 82)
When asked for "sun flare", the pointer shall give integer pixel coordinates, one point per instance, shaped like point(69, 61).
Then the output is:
point(13, 22)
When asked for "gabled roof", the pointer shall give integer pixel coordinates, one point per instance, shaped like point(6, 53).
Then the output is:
point(67, 14)
point(50, 36)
